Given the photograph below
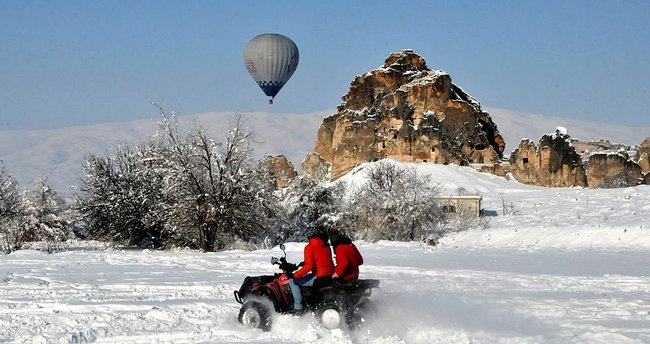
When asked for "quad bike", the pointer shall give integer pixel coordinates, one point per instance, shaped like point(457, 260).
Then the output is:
point(336, 304)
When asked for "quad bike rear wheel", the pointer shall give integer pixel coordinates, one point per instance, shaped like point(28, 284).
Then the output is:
point(334, 315)
point(254, 314)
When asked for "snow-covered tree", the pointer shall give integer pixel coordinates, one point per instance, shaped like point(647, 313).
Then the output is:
point(395, 203)
point(183, 190)
point(12, 233)
point(307, 200)
point(120, 197)
point(218, 197)
point(45, 218)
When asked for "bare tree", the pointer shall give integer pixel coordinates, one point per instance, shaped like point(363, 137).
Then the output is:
point(183, 190)
point(217, 195)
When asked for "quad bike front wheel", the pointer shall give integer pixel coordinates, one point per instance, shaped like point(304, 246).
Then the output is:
point(254, 314)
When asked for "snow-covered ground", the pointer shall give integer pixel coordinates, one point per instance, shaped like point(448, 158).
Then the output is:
point(562, 266)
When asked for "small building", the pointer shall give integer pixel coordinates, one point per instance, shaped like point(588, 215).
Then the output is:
point(469, 206)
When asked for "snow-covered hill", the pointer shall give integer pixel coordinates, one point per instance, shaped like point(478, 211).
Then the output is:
point(559, 266)
point(59, 153)
point(566, 218)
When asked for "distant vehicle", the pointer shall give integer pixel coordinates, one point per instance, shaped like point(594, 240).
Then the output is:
point(271, 59)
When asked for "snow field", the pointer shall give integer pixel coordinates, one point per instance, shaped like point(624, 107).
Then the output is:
point(428, 295)
point(560, 266)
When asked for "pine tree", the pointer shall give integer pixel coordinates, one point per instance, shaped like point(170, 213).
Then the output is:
point(45, 216)
point(12, 234)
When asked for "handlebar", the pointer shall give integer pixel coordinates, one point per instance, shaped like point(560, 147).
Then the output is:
point(284, 265)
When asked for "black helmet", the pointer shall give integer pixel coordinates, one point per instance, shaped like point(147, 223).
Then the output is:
point(334, 237)
point(316, 230)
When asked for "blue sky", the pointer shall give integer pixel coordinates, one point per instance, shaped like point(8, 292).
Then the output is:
point(66, 63)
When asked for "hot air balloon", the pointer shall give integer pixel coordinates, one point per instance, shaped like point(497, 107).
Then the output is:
point(271, 60)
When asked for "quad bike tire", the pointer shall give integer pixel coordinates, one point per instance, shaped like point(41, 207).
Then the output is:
point(333, 315)
point(254, 314)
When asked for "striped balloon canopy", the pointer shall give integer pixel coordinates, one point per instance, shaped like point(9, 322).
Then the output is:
point(271, 59)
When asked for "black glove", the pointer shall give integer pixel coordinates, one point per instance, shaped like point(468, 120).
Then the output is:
point(288, 267)
point(289, 275)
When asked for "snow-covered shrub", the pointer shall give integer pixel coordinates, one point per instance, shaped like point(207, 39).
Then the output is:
point(12, 233)
point(508, 208)
point(463, 221)
point(45, 216)
point(120, 197)
point(395, 203)
point(180, 190)
point(307, 200)
point(620, 180)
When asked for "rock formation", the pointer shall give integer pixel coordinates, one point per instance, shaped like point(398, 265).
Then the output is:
point(555, 163)
point(501, 169)
point(586, 148)
point(644, 162)
point(643, 155)
point(408, 112)
point(279, 171)
point(613, 170)
point(315, 166)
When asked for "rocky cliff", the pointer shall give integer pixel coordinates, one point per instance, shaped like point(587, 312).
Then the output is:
point(553, 163)
point(277, 171)
point(557, 162)
point(643, 155)
point(613, 170)
point(404, 111)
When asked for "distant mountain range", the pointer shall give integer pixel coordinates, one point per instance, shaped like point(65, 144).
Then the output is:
point(59, 153)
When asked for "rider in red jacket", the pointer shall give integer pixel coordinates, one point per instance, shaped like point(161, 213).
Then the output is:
point(348, 257)
point(318, 259)
point(318, 264)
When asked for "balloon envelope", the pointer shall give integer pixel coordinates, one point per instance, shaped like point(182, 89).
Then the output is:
point(271, 60)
